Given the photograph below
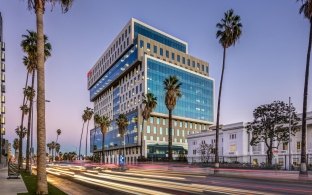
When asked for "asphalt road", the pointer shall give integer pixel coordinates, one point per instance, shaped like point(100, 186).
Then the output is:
point(136, 181)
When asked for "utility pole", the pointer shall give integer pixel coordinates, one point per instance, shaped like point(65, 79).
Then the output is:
point(289, 142)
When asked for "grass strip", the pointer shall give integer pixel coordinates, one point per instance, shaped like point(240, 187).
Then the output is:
point(31, 183)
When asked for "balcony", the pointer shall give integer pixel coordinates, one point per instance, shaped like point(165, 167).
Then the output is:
point(2, 56)
point(2, 66)
point(2, 88)
point(3, 46)
point(2, 119)
point(2, 77)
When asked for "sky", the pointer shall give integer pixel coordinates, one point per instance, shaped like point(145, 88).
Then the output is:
point(266, 64)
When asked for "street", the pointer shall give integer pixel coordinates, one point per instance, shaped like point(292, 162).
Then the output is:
point(157, 181)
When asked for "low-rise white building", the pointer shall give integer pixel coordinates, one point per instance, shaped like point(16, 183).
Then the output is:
point(234, 146)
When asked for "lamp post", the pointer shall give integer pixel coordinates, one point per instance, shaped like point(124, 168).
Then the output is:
point(289, 149)
point(31, 132)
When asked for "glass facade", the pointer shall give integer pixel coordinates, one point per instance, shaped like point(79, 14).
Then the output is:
point(117, 69)
point(197, 91)
point(156, 36)
point(111, 137)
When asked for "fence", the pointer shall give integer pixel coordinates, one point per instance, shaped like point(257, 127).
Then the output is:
point(253, 161)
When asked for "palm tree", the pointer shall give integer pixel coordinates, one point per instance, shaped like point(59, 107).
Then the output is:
point(150, 102)
point(229, 31)
point(25, 111)
point(58, 133)
point(122, 123)
point(30, 93)
point(49, 145)
point(15, 145)
point(89, 113)
point(29, 46)
point(172, 89)
point(103, 122)
point(84, 119)
point(57, 149)
point(39, 6)
point(306, 10)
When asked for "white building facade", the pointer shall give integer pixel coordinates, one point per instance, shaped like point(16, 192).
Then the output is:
point(234, 146)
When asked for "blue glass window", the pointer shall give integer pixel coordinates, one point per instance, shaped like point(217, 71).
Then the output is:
point(114, 72)
point(183, 60)
point(141, 43)
point(178, 58)
point(172, 56)
point(155, 49)
point(167, 53)
point(197, 91)
point(145, 31)
point(148, 45)
point(161, 51)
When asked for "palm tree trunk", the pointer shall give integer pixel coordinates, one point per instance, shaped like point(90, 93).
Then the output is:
point(42, 185)
point(20, 148)
point(87, 139)
point(103, 155)
point(303, 166)
point(28, 125)
point(141, 149)
point(170, 137)
point(81, 139)
point(94, 145)
point(218, 112)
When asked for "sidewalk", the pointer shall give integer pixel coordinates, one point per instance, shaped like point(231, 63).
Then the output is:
point(10, 186)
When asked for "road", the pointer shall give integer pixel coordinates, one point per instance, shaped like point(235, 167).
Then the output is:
point(157, 181)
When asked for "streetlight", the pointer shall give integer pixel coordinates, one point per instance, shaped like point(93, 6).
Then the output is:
point(32, 128)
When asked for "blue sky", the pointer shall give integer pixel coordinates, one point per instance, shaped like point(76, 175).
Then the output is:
point(267, 63)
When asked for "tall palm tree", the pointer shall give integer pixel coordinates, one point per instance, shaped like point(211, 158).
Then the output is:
point(122, 122)
point(172, 87)
point(57, 149)
point(39, 6)
point(229, 31)
point(89, 114)
point(150, 103)
point(29, 46)
point(306, 10)
point(53, 148)
point(30, 93)
point(103, 122)
point(49, 145)
point(58, 133)
point(24, 108)
point(15, 145)
point(84, 120)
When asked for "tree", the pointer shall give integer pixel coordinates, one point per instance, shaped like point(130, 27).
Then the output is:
point(204, 150)
point(103, 122)
point(306, 10)
point(49, 145)
point(122, 123)
point(39, 6)
point(172, 87)
point(53, 149)
point(57, 149)
point(84, 120)
point(24, 108)
point(229, 31)
point(29, 46)
point(270, 125)
point(30, 93)
point(150, 103)
point(89, 113)
point(58, 133)
point(15, 145)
